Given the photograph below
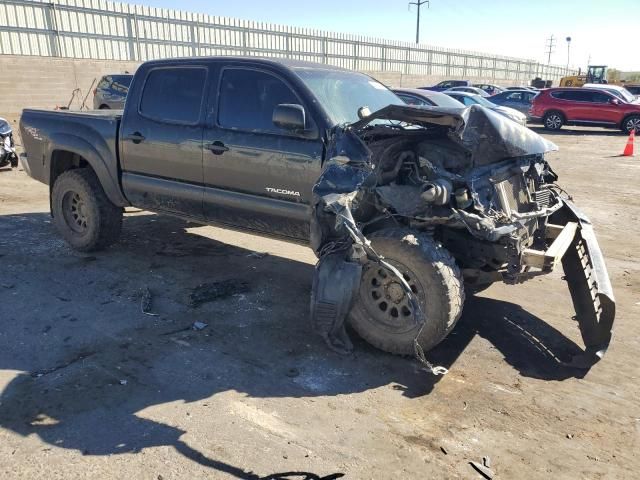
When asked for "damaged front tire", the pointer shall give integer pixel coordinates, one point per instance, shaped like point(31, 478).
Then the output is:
point(382, 313)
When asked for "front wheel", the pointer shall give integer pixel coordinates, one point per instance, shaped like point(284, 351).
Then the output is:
point(82, 213)
point(382, 313)
point(631, 123)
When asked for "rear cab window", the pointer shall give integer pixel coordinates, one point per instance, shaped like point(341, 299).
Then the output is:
point(173, 94)
point(248, 97)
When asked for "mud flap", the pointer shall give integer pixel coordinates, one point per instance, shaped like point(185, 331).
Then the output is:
point(335, 284)
point(588, 280)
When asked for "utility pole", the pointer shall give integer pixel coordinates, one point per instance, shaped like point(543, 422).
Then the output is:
point(568, 50)
point(419, 4)
point(551, 43)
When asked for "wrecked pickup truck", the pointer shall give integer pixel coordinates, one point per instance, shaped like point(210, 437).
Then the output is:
point(407, 208)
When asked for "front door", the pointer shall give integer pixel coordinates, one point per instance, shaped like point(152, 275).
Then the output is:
point(258, 176)
point(161, 141)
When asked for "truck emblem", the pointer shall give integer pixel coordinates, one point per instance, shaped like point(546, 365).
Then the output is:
point(283, 191)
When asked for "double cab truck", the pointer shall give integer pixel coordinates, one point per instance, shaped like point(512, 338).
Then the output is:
point(408, 208)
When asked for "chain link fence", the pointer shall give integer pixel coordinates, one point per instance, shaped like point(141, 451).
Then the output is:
point(97, 29)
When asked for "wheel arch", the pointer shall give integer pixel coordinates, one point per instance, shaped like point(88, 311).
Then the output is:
point(67, 151)
point(627, 117)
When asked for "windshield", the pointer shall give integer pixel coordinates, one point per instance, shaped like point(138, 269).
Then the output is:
point(482, 101)
point(343, 93)
point(445, 100)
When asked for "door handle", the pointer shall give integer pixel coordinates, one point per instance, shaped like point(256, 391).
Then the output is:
point(135, 137)
point(217, 147)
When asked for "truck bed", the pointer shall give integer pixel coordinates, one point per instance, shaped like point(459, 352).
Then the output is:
point(93, 134)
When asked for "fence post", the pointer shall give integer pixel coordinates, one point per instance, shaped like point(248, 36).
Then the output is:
point(448, 64)
point(131, 37)
point(52, 26)
point(355, 55)
point(464, 66)
point(325, 53)
point(383, 55)
point(430, 62)
point(407, 54)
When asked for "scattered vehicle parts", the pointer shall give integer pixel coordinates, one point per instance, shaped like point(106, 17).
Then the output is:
point(8, 155)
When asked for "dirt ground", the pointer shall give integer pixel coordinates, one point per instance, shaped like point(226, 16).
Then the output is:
point(92, 387)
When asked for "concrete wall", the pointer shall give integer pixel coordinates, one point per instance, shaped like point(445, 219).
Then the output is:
point(47, 82)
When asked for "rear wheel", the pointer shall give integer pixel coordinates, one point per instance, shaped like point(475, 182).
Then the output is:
point(82, 213)
point(553, 120)
point(631, 123)
point(382, 313)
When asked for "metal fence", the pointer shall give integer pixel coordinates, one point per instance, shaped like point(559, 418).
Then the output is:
point(99, 29)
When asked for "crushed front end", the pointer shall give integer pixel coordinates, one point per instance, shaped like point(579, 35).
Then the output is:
point(478, 184)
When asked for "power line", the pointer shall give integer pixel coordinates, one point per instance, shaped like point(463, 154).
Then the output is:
point(419, 4)
point(550, 47)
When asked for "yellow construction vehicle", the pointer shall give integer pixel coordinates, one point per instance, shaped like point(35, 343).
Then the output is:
point(595, 74)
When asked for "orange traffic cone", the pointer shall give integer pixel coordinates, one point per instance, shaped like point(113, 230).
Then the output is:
point(628, 150)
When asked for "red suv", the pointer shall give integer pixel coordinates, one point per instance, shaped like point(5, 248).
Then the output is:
point(556, 107)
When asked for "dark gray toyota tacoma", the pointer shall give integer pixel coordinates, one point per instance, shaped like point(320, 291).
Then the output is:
point(407, 208)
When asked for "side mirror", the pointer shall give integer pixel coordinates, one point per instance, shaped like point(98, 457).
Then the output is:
point(289, 116)
point(615, 101)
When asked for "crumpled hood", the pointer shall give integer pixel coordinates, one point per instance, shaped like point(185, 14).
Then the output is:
point(487, 136)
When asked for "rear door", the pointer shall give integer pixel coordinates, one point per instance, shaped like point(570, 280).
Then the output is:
point(256, 175)
point(591, 106)
point(161, 140)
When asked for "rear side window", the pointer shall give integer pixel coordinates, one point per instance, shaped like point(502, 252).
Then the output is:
point(248, 98)
point(174, 94)
point(517, 96)
point(577, 95)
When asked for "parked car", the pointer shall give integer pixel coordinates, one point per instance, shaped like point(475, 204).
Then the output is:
point(472, 90)
point(517, 99)
point(490, 89)
point(401, 204)
point(522, 87)
point(447, 84)
point(469, 99)
point(111, 92)
point(620, 92)
point(419, 97)
point(560, 106)
point(633, 89)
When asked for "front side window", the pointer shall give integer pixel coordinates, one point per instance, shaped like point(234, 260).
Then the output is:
point(411, 100)
point(515, 97)
point(249, 97)
point(174, 94)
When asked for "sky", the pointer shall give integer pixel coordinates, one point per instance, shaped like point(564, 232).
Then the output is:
point(602, 31)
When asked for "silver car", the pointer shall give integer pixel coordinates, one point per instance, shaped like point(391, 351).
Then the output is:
point(471, 99)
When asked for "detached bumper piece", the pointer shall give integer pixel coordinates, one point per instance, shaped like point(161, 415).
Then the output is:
point(574, 244)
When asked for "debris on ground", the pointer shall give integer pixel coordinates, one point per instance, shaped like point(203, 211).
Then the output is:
point(486, 472)
point(444, 450)
point(486, 461)
point(210, 292)
point(199, 325)
point(145, 302)
point(123, 382)
point(257, 255)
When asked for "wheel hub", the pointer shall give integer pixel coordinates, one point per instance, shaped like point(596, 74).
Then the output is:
point(385, 299)
point(395, 292)
point(75, 212)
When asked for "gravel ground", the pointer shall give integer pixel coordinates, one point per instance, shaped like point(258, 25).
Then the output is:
point(93, 387)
